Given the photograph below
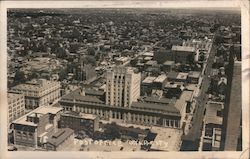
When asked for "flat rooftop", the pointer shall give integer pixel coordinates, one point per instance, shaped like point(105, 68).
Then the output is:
point(183, 48)
point(42, 110)
point(148, 58)
point(148, 80)
point(184, 98)
point(121, 69)
point(151, 62)
point(148, 54)
point(160, 78)
point(211, 113)
point(186, 95)
point(80, 115)
point(182, 75)
point(172, 75)
point(191, 87)
point(194, 74)
point(169, 63)
point(171, 85)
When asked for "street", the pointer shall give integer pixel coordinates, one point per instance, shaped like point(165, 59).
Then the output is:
point(195, 131)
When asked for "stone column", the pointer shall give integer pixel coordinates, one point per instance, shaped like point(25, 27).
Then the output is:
point(116, 115)
point(124, 117)
point(142, 119)
point(129, 116)
point(146, 119)
point(106, 114)
point(133, 117)
point(164, 123)
point(155, 120)
point(110, 114)
point(150, 120)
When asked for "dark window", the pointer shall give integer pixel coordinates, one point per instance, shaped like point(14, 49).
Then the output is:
point(219, 113)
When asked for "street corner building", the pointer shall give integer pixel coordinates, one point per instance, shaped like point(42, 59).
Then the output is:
point(38, 92)
point(33, 129)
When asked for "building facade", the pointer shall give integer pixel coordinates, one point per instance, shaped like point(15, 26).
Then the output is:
point(34, 128)
point(184, 54)
point(79, 121)
point(194, 77)
point(156, 112)
point(60, 139)
point(232, 121)
point(211, 133)
point(16, 106)
point(38, 92)
point(123, 102)
point(123, 86)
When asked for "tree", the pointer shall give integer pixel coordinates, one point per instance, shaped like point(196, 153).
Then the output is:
point(90, 60)
point(218, 39)
point(33, 75)
point(63, 74)
point(91, 51)
point(133, 62)
point(202, 57)
point(61, 52)
point(19, 77)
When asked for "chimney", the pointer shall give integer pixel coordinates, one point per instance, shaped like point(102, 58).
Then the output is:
point(82, 92)
point(36, 119)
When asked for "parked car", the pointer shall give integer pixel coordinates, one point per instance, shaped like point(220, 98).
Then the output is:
point(12, 148)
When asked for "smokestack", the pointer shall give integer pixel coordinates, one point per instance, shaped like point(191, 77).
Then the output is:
point(82, 91)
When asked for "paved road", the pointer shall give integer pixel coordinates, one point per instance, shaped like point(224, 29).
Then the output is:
point(195, 131)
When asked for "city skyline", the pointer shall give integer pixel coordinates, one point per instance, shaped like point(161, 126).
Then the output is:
point(151, 73)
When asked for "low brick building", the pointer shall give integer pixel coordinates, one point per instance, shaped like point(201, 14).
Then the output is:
point(62, 137)
point(79, 121)
point(34, 128)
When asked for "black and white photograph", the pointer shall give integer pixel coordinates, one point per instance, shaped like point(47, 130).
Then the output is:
point(120, 79)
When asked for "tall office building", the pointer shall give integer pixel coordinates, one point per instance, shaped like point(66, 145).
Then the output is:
point(232, 118)
point(123, 86)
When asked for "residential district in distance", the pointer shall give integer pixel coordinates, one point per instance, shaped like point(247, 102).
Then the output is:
point(124, 80)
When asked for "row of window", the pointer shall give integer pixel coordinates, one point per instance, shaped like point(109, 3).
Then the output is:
point(172, 123)
point(16, 100)
point(24, 135)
